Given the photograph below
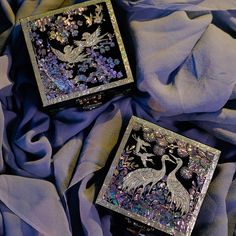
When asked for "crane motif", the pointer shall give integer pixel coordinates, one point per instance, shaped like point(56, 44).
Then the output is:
point(179, 195)
point(145, 176)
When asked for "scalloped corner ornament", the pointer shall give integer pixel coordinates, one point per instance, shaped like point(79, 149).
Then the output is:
point(77, 52)
point(158, 179)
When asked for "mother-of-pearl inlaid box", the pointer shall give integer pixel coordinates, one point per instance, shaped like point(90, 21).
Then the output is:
point(158, 179)
point(78, 55)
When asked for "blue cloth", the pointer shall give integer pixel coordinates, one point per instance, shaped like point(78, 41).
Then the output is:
point(52, 167)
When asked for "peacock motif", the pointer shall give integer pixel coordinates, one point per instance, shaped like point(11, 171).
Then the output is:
point(179, 195)
point(145, 176)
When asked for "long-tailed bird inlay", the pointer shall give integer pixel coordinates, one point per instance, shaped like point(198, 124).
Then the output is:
point(92, 39)
point(71, 55)
point(75, 55)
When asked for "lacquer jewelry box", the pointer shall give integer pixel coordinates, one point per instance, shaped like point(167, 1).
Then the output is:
point(77, 55)
point(158, 179)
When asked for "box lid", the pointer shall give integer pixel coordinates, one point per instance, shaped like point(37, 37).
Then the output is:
point(76, 51)
point(158, 178)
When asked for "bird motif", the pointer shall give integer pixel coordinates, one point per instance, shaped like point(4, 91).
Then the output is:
point(145, 176)
point(179, 195)
point(71, 55)
point(89, 19)
point(98, 18)
point(91, 40)
point(141, 144)
point(144, 157)
point(98, 9)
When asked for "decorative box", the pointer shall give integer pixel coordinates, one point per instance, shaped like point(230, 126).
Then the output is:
point(77, 55)
point(158, 179)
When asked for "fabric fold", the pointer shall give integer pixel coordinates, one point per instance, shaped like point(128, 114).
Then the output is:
point(52, 167)
point(185, 5)
point(36, 202)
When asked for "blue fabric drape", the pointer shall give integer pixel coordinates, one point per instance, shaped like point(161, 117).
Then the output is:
point(52, 167)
